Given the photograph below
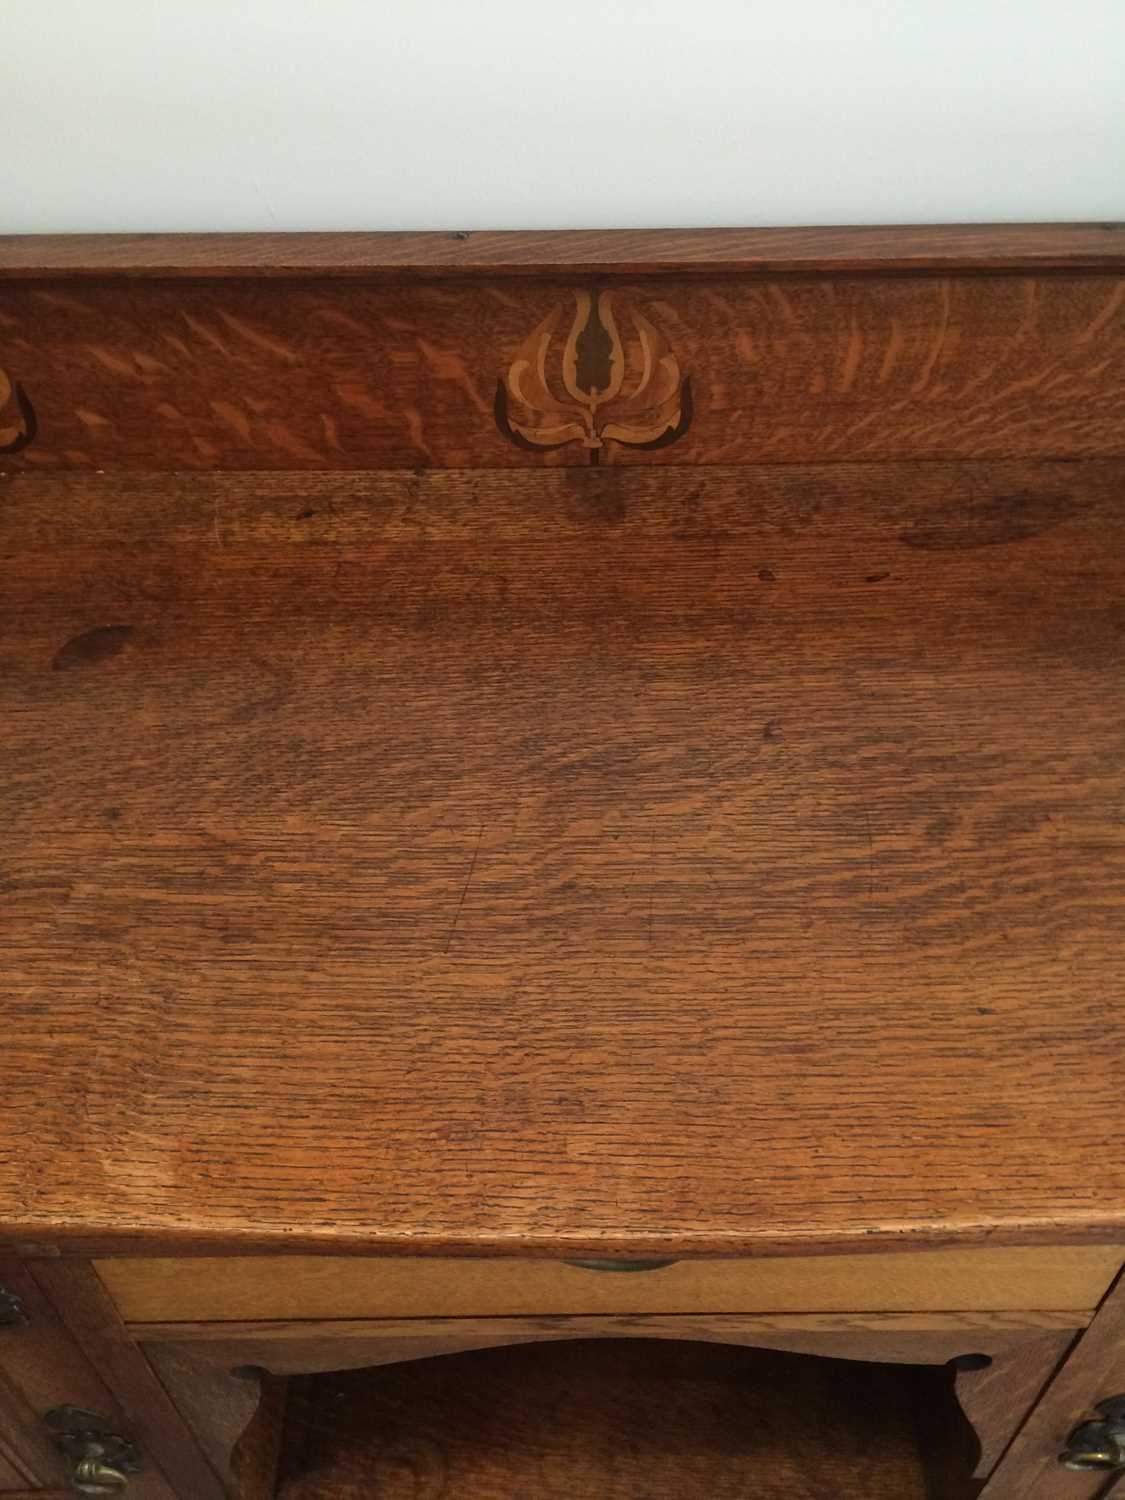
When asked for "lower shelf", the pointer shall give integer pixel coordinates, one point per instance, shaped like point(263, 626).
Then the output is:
point(628, 1420)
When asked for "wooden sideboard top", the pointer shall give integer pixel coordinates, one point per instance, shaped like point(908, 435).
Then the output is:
point(415, 840)
point(569, 252)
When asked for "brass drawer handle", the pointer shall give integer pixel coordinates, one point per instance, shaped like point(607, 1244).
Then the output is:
point(619, 1265)
point(101, 1461)
point(1098, 1445)
point(93, 1476)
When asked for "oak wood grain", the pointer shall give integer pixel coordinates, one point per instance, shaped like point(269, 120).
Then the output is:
point(882, 249)
point(243, 374)
point(303, 1348)
point(622, 1422)
point(969, 1331)
point(653, 863)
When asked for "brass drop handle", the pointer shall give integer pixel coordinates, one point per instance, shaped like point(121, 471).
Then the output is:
point(101, 1460)
point(93, 1476)
point(1098, 1445)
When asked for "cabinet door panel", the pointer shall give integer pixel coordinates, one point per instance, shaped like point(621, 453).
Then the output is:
point(41, 1367)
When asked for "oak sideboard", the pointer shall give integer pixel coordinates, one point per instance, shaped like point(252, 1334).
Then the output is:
point(561, 790)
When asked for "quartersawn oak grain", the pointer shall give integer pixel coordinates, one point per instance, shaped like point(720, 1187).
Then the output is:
point(624, 863)
point(245, 374)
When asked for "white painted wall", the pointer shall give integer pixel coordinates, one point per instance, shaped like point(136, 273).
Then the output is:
point(347, 114)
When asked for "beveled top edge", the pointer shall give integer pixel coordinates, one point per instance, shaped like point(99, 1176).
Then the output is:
point(99, 1237)
point(402, 254)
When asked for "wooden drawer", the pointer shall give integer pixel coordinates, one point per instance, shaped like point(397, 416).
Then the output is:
point(272, 1287)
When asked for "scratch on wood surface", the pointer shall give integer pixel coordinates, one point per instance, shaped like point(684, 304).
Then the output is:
point(651, 889)
point(465, 891)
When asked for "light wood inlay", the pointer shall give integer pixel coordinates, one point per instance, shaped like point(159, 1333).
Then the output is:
point(249, 375)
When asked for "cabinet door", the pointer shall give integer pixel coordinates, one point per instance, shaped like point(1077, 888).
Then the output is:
point(43, 1370)
point(1095, 1372)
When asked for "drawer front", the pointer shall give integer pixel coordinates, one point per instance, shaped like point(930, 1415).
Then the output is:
point(239, 1289)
